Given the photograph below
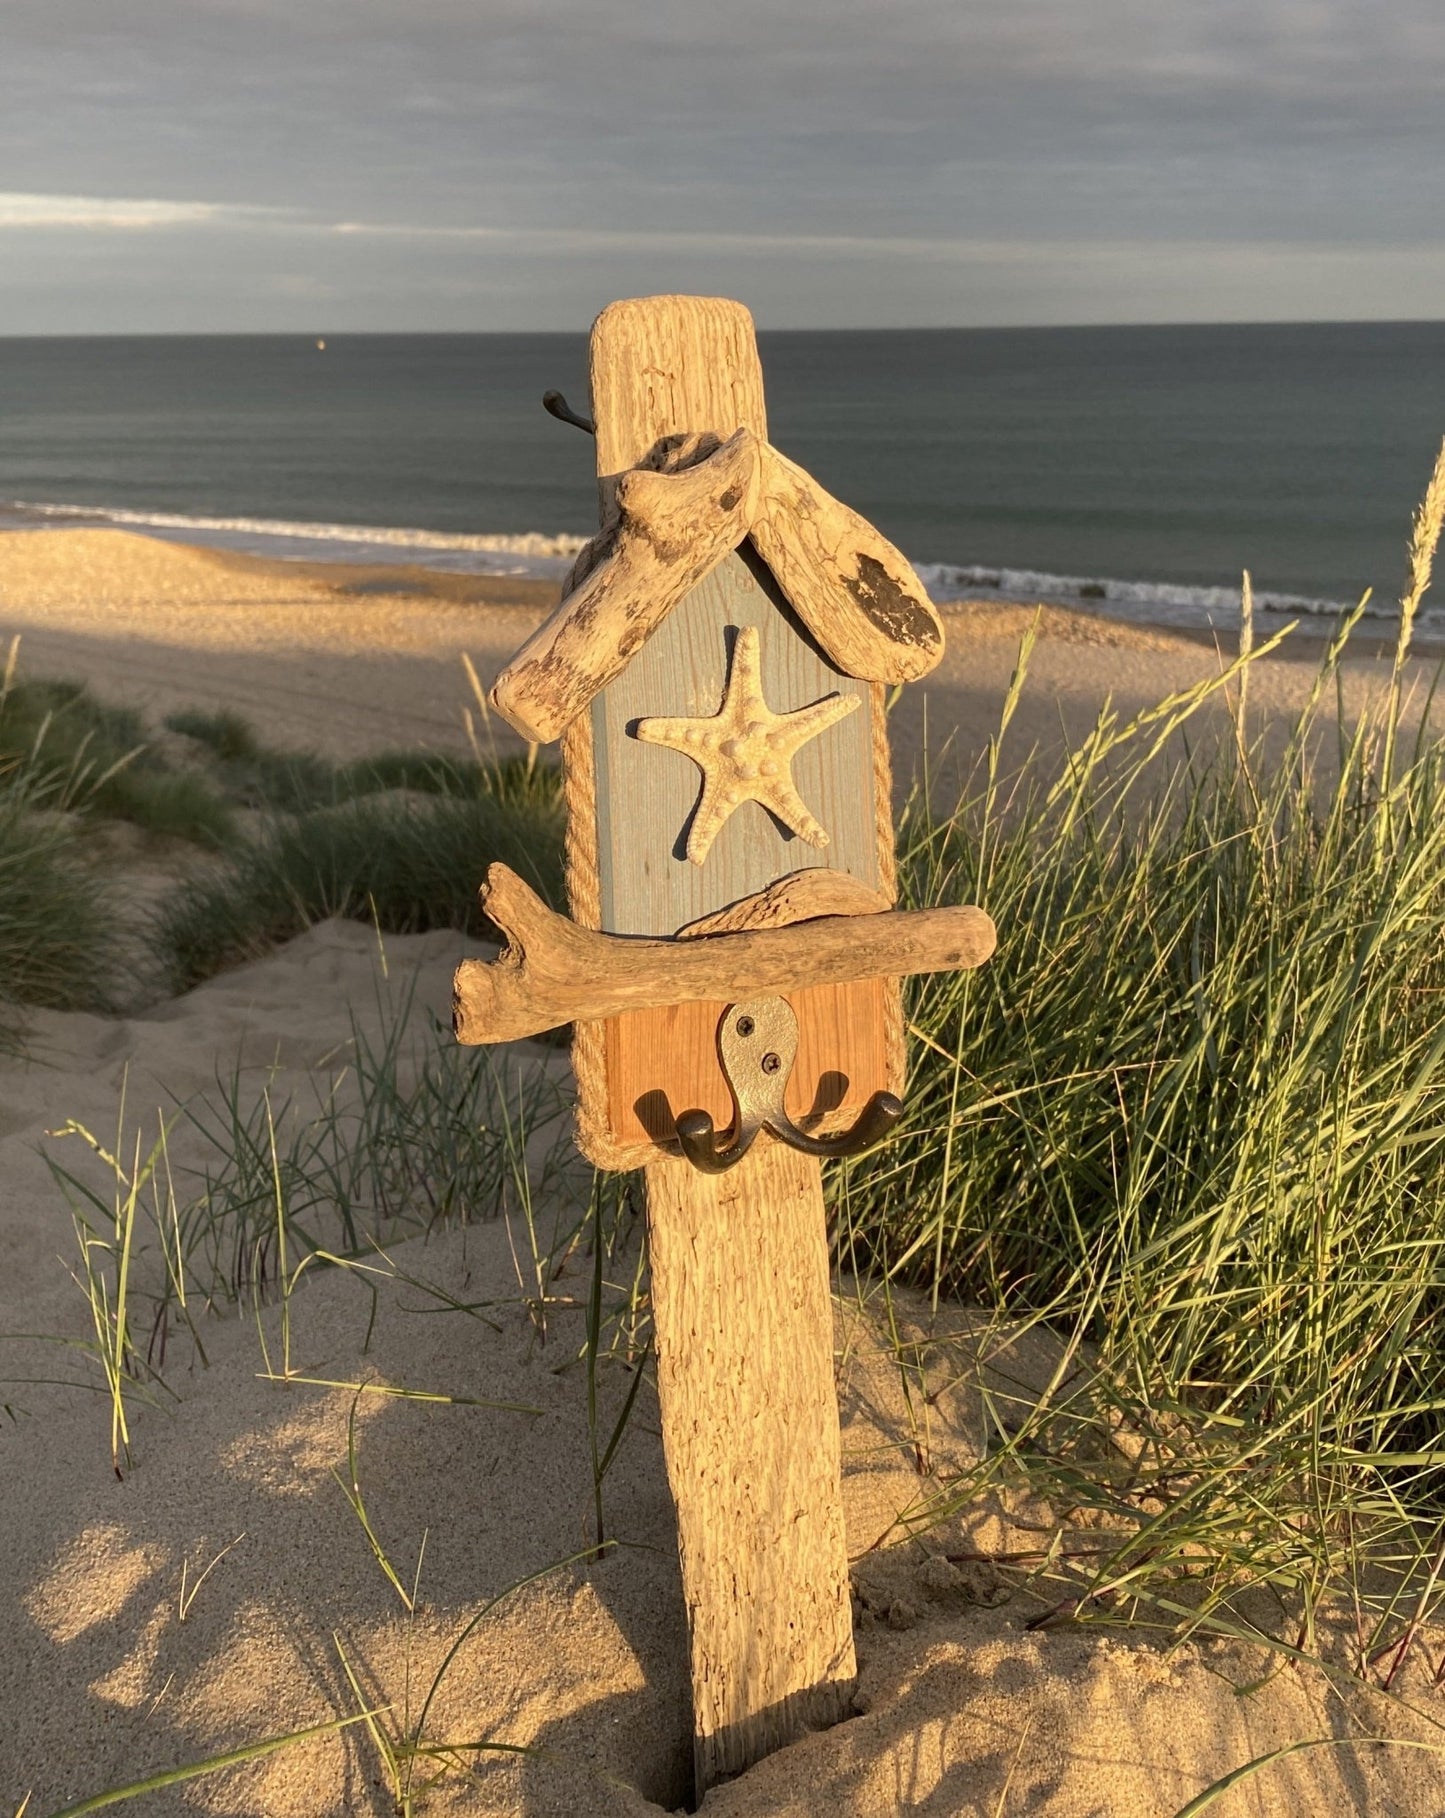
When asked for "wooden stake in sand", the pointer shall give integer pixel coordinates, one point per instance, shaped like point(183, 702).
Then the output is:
point(716, 671)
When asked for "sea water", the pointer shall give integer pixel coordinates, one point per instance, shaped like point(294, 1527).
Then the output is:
point(1132, 470)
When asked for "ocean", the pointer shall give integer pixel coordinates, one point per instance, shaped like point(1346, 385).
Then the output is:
point(1132, 470)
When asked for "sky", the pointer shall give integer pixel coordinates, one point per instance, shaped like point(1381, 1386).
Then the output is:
point(333, 165)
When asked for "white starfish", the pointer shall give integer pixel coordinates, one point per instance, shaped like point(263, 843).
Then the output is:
point(745, 751)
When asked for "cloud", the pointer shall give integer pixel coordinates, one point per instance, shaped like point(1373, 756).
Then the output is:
point(124, 213)
point(384, 143)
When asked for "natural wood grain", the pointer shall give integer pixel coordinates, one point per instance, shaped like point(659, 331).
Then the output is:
point(672, 529)
point(744, 1335)
point(854, 591)
point(663, 1062)
point(668, 368)
point(648, 795)
point(552, 971)
point(795, 898)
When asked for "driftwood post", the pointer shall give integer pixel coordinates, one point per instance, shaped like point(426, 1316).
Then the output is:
point(716, 673)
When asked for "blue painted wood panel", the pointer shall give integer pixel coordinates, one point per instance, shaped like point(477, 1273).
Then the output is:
point(646, 793)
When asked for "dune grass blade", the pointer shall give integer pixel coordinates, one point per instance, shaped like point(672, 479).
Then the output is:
point(106, 1237)
point(1201, 1802)
point(350, 1487)
point(213, 1764)
point(480, 1615)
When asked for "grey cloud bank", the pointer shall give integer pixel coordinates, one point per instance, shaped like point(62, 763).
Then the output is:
point(420, 164)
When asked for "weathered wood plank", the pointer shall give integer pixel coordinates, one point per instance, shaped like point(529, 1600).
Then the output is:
point(744, 1334)
point(749, 1406)
point(666, 368)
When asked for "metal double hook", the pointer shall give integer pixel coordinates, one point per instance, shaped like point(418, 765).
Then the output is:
point(757, 1044)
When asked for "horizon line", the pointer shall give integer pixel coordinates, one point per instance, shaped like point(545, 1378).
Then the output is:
point(935, 328)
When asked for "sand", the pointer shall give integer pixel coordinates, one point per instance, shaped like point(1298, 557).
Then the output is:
point(113, 1665)
point(347, 660)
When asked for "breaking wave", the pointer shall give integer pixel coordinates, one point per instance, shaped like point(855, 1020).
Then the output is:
point(1175, 602)
point(533, 552)
point(547, 555)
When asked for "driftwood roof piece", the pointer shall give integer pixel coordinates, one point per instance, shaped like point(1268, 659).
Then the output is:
point(853, 590)
point(672, 530)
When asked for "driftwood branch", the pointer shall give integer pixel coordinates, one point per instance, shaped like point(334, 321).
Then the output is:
point(551, 971)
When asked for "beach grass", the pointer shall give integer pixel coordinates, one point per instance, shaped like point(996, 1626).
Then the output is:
point(257, 775)
point(57, 945)
point(55, 941)
point(1190, 1121)
point(406, 859)
point(406, 1135)
point(103, 762)
point(400, 839)
point(1192, 1117)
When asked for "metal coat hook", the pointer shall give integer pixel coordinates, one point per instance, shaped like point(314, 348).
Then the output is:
point(557, 406)
point(757, 1044)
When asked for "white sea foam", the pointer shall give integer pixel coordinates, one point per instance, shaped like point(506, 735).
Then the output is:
point(1130, 599)
point(526, 552)
point(530, 542)
point(548, 554)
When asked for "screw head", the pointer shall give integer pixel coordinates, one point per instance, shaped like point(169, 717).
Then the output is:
point(771, 1062)
point(745, 1026)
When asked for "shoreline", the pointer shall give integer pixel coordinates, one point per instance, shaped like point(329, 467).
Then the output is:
point(546, 556)
point(350, 658)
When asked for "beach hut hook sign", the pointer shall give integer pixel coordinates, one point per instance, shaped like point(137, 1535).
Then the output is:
point(717, 673)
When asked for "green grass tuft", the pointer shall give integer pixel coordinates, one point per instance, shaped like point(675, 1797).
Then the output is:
point(293, 782)
point(56, 940)
point(1192, 1115)
point(406, 865)
point(99, 760)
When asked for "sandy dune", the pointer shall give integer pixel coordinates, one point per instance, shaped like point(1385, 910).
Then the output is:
point(112, 1666)
point(104, 1677)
